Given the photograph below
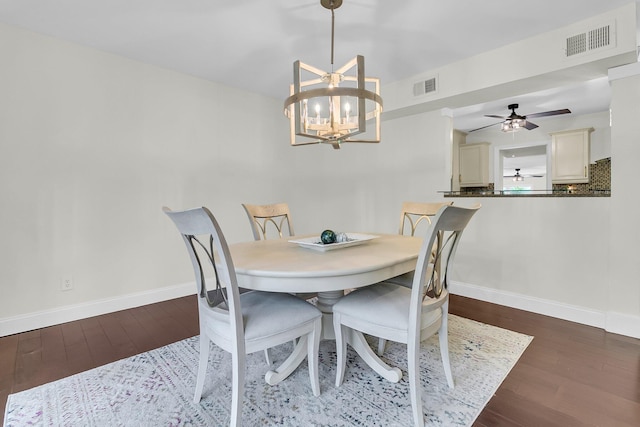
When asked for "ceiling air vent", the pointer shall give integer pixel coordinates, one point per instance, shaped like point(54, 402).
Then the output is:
point(576, 44)
point(595, 39)
point(599, 37)
point(424, 87)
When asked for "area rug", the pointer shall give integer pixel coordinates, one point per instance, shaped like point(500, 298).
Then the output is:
point(156, 388)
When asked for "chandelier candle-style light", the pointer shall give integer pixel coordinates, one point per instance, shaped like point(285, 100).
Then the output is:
point(333, 107)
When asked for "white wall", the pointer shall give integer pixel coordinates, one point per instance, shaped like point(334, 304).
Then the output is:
point(93, 145)
point(571, 258)
point(623, 289)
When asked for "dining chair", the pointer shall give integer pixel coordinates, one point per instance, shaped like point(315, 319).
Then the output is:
point(407, 315)
point(271, 221)
point(267, 220)
point(415, 213)
point(237, 320)
point(412, 216)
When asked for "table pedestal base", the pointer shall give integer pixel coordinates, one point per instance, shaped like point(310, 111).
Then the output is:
point(356, 339)
point(325, 303)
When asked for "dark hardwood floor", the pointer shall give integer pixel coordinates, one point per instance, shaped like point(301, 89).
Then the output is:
point(570, 375)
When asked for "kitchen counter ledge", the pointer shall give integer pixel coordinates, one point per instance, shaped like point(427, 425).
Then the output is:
point(595, 193)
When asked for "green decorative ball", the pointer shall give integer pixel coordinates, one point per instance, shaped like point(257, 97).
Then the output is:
point(328, 236)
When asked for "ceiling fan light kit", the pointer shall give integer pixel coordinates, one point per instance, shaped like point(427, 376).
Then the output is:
point(333, 107)
point(517, 176)
point(513, 125)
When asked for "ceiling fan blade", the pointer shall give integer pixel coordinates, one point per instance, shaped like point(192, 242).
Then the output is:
point(495, 117)
point(484, 127)
point(528, 125)
point(550, 113)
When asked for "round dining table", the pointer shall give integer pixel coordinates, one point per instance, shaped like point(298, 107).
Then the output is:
point(280, 265)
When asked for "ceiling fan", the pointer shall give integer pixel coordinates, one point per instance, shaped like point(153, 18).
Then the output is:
point(514, 121)
point(520, 177)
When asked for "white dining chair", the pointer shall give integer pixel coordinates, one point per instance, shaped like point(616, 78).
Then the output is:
point(407, 315)
point(272, 221)
point(414, 217)
point(239, 321)
point(267, 220)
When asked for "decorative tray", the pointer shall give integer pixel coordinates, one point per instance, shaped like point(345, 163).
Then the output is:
point(316, 244)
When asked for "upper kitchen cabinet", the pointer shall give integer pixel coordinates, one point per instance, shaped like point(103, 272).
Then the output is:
point(474, 164)
point(570, 156)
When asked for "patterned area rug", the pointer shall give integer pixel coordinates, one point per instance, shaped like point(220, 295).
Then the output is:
point(156, 388)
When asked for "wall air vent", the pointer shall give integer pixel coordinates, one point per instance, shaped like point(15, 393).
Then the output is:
point(425, 86)
point(595, 39)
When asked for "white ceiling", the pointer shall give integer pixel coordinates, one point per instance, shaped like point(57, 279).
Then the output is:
point(252, 44)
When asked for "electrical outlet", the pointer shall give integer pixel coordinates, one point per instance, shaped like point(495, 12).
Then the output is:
point(66, 284)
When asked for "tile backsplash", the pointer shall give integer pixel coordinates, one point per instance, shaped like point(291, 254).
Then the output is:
point(599, 179)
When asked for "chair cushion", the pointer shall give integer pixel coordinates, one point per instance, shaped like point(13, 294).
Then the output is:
point(385, 307)
point(269, 313)
point(264, 314)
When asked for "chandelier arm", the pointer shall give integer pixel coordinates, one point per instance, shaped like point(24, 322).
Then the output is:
point(311, 82)
point(363, 141)
point(347, 66)
point(308, 143)
point(310, 68)
point(366, 79)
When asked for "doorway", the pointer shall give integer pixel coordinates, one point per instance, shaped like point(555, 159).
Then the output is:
point(522, 169)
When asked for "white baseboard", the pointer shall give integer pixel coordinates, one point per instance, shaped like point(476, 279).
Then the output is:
point(623, 324)
point(616, 323)
point(56, 316)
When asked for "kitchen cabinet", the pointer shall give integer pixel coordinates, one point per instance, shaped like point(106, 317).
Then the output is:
point(474, 164)
point(570, 156)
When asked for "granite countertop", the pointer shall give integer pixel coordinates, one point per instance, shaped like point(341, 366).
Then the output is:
point(544, 193)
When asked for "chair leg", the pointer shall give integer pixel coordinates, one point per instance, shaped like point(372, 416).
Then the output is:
point(341, 349)
point(237, 387)
point(313, 348)
point(443, 337)
point(202, 367)
point(267, 356)
point(381, 345)
point(413, 366)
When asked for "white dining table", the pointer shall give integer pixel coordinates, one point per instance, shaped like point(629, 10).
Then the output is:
point(281, 266)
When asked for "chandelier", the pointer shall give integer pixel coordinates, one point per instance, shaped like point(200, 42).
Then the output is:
point(333, 107)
